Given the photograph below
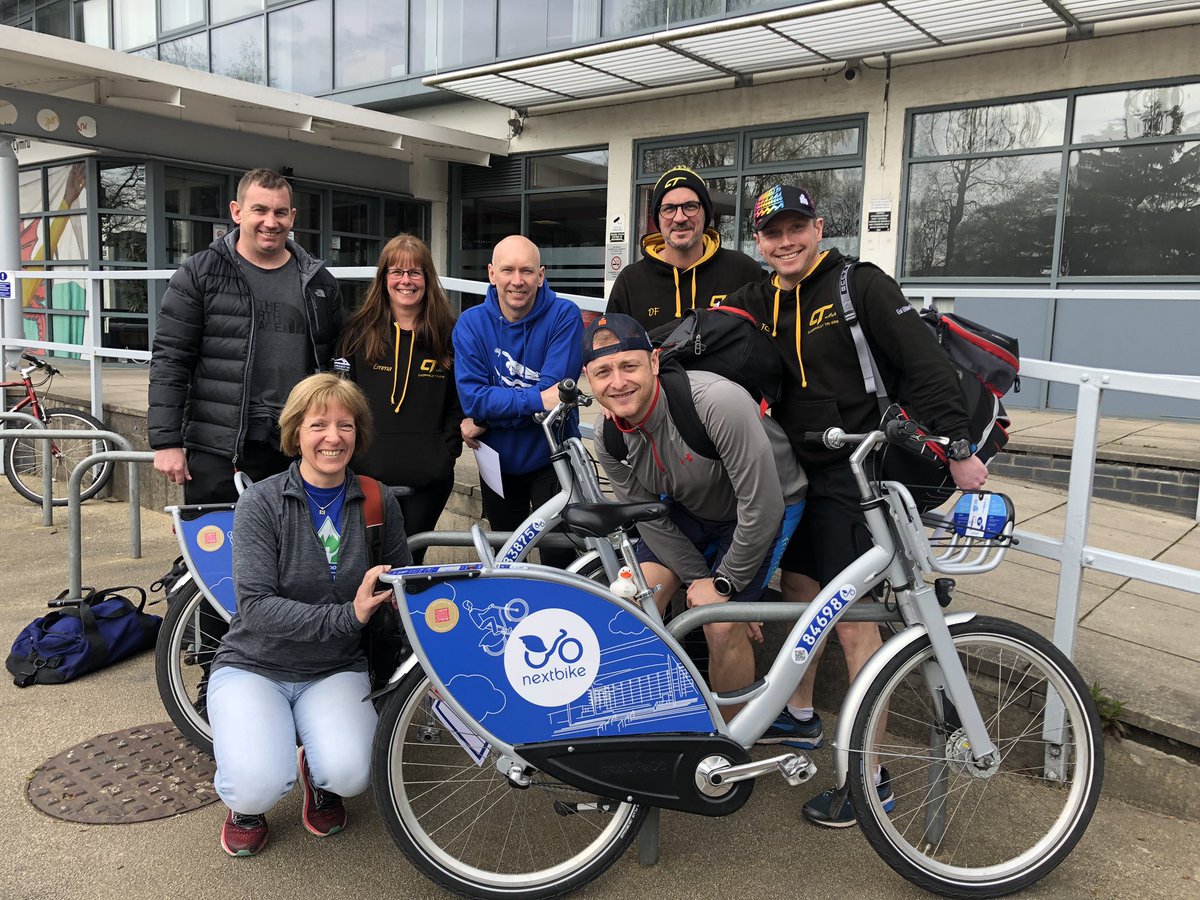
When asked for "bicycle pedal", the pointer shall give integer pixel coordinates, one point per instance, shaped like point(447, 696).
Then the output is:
point(797, 769)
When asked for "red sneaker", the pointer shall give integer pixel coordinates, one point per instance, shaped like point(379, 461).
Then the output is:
point(243, 835)
point(324, 813)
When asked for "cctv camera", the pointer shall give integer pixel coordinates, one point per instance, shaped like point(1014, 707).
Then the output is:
point(851, 73)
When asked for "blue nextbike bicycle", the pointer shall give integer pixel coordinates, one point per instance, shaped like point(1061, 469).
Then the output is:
point(541, 717)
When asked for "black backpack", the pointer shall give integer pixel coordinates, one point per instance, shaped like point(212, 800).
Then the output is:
point(986, 362)
point(729, 343)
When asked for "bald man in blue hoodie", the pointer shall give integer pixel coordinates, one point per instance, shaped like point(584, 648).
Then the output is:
point(510, 353)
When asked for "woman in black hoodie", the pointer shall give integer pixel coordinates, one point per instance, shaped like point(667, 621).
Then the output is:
point(399, 348)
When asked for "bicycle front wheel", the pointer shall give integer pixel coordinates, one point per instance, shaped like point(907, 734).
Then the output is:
point(952, 827)
point(23, 458)
point(188, 639)
point(469, 829)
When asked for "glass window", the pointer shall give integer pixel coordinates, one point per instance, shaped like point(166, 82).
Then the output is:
point(185, 237)
point(623, 16)
point(1133, 211)
point(589, 167)
point(353, 251)
point(528, 26)
point(237, 51)
point(1145, 112)
point(133, 23)
point(400, 217)
point(301, 48)
point(224, 10)
point(67, 186)
point(67, 238)
point(55, 18)
point(982, 217)
point(122, 187)
point(355, 213)
point(125, 296)
point(569, 228)
point(176, 14)
point(194, 193)
point(484, 222)
point(91, 22)
point(804, 145)
point(448, 34)
point(191, 52)
point(31, 240)
point(715, 154)
point(988, 129)
point(123, 238)
point(308, 210)
point(29, 184)
point(371, 37)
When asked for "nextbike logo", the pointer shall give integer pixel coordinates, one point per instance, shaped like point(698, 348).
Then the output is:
point(524, 539)
point(551, 657)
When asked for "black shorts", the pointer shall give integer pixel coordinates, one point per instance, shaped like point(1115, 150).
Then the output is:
point(833, 532)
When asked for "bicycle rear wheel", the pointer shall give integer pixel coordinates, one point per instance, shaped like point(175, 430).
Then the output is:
point(188, 640)
point(468, 828)
point(953, 828)
point(23, 458)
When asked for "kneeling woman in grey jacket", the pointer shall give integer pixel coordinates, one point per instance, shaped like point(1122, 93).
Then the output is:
point(291, 666)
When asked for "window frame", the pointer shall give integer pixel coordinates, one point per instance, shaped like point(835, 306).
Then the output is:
point(1065, 149)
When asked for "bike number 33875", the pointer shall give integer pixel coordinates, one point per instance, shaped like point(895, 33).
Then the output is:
point(826, 615)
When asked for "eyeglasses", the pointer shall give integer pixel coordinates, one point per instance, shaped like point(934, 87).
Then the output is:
point(689, 209)
point(413, 274)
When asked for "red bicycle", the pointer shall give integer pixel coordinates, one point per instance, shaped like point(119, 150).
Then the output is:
point(23, 456)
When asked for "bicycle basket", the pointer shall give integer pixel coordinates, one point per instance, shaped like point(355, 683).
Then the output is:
point(970, 538)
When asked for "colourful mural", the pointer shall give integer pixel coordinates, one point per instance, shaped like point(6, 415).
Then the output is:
point(66, 239)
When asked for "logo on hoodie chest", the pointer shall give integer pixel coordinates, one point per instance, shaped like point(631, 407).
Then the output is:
point(513, 373)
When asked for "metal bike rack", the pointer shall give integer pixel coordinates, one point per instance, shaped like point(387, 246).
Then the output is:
point(47, 471)
point(74, 506)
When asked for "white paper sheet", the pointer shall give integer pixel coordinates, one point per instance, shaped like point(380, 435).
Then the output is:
point(488, 461)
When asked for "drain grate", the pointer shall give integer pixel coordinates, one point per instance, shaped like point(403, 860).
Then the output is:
point(143, 773)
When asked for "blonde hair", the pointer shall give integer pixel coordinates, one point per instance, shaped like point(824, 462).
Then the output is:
point(319, 392)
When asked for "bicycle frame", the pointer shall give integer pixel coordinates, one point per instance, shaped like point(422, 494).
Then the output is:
point(429, 598)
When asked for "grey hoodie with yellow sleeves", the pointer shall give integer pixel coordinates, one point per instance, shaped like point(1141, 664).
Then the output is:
point(656, 293)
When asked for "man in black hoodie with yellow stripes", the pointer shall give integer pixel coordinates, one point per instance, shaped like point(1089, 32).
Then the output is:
point(683, 264)
point(800, 306)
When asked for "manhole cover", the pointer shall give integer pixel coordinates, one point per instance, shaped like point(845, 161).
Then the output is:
point(143, 773)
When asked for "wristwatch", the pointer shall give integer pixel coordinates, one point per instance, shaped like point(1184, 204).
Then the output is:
point(723, 585)
point(960, 449)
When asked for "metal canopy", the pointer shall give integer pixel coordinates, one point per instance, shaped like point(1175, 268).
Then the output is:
point(805, 35)
point(116, 89)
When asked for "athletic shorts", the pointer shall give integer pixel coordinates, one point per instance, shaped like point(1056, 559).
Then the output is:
point(833, 532)
point(713, 539)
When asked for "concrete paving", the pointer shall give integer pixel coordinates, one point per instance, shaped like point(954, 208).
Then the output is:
point(765, 850)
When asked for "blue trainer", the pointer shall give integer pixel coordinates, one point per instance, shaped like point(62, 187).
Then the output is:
point(791, 732)
point(833, 809)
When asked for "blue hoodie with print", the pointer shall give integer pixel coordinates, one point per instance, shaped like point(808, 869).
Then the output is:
point(502, 367)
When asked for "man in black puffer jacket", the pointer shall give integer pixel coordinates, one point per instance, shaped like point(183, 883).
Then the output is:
point(241, 324)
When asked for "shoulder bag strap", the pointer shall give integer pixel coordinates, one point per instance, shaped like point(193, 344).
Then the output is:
point(872, 380)
point(372, 517)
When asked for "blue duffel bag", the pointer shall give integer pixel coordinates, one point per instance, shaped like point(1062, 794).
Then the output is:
point(80, 636)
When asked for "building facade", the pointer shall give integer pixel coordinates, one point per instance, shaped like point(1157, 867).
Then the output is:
point(1050, 149)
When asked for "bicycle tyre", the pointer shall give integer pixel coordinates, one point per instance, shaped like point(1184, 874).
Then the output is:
point(188, 639)
point(23, 459)
point(541, 841)
point(1004, 831)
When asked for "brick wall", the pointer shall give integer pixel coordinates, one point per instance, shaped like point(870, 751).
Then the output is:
point(1168, 490)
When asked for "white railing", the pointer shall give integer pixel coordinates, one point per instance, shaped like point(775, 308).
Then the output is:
point(1072, 552)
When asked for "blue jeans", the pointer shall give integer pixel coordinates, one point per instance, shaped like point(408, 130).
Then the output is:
point(256, 722)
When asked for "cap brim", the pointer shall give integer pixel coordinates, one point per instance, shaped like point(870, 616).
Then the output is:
point(808, 214)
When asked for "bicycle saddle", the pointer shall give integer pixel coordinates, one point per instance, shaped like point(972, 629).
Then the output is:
point(602, 519)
